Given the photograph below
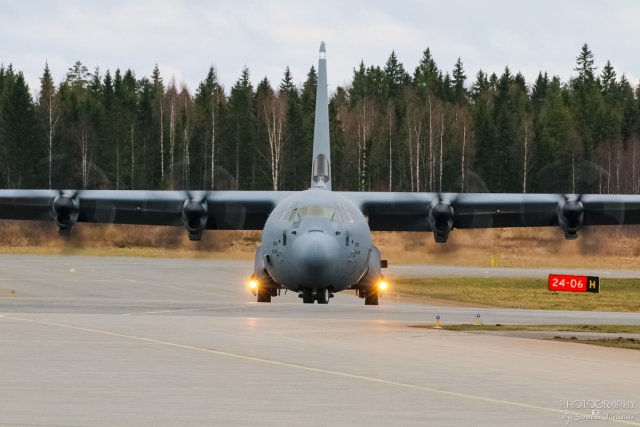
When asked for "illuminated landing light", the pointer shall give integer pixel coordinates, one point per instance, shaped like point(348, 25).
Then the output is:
point(383, 285)
point(253, 284)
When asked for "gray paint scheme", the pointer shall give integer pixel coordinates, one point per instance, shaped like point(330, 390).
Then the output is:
point(317, 242)
point(304, 248)
point(321, 166)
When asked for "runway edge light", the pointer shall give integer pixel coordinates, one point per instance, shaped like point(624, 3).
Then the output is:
point(437, 325)
point(478, 321)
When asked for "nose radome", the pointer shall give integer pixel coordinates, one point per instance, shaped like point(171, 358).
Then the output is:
point(315, 250)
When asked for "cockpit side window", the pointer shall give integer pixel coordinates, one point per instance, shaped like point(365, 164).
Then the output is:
point(337, 216)
point(288, 212)
point(346, 215)
point(294, 216)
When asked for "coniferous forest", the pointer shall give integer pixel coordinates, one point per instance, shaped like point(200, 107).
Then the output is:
point(430, 130)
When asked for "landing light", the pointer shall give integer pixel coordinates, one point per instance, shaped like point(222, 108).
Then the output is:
point(383, 285)
point(253, 284)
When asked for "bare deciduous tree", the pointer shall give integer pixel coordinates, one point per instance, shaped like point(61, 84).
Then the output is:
point(359, 122)
point(463, 159)
point(431, 158)
point(214, 101)
point(390, 151)
point(415, 131)
point(162, 141)
point(133, 154)
point(84, 151)
point(441, 152)
point(50, 107)
point(171, 100)
point(364, 130)
point(526, 155)
point(274, 114)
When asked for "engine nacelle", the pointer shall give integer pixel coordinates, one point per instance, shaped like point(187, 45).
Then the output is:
point(65, 210)
point(194, 217)
point(441, 219)
point(570, 213)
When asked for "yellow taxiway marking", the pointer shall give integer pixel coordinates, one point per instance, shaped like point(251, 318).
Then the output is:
point(318, 370)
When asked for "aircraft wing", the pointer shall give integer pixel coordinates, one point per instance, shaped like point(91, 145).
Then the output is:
point(388, 211)
point(196, 210)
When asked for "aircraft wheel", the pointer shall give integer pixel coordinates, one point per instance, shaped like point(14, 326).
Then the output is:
point(323, 296)
point(264, 295)
point(371, 298)
point(307, 296)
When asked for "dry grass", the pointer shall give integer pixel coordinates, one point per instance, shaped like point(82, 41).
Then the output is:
point(604, 247)
point(139, 252)
point(125, 240)
point(620, 342)
point(615, 294)
point(608, 329)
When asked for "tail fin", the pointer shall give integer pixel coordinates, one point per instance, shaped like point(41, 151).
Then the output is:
point(321, 172)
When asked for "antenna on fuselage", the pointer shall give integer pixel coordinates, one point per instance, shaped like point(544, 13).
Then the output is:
point(321, 169)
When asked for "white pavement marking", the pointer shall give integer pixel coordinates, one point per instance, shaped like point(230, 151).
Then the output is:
point(316, 370)
point(164, 285)
point(177, 310)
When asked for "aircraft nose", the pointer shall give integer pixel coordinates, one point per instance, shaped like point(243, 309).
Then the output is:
point(315, 251)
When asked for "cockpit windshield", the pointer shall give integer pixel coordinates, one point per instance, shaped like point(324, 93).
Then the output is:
point(326, 212)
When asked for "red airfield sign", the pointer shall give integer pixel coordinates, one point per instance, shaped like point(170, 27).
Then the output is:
point(568, 283)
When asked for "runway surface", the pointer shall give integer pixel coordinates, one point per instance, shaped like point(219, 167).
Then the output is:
point(122, 341)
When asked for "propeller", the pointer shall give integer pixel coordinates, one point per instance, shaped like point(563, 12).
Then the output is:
point(65, 210)
point(195, 212)
point(441, 218)
point(570, 213)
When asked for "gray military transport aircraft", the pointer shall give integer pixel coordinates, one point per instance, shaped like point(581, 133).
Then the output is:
point(317, 242)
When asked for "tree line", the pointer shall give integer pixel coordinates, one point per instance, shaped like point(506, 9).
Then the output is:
point(432, 130)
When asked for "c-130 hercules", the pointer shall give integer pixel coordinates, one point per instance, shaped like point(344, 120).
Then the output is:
point(318, 242)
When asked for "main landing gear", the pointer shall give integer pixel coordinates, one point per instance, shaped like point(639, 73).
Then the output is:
point(263, 289)
point(371, 296)
point(264, 294)
point(310, 295)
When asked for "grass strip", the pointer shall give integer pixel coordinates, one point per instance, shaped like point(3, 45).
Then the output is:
point(615, 294)
point(608, 329)
point(613, 341)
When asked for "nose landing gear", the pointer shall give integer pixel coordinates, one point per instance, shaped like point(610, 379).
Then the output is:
point(322, 296)
point(307, 296)
point(310, 295)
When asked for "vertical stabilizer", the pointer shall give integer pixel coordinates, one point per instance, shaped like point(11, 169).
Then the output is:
point(321, 167)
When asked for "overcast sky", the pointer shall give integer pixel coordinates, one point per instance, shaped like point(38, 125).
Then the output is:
point(185, 37)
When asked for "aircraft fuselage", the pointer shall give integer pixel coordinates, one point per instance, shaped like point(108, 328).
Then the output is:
point(315, 239)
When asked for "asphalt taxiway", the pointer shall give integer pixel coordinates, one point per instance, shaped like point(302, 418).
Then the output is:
point(120, 341)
